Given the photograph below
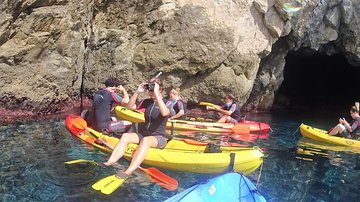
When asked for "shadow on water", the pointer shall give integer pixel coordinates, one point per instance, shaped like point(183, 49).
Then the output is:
point(33, 155)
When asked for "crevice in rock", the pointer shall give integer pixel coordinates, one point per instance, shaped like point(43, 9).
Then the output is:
point(88, 41)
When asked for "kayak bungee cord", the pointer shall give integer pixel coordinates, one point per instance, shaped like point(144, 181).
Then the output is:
point(258, 180)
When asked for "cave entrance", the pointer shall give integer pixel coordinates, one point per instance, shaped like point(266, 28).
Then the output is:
point(318, 83)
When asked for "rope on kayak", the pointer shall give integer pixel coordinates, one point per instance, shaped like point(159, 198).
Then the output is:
point(258, 180)
point(295, 131)
point(251, 191)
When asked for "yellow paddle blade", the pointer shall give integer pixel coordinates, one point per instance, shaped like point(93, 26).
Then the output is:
point(80, 161)
point(209, 104)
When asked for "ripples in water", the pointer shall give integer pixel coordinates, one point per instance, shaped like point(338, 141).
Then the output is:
point(33, 155)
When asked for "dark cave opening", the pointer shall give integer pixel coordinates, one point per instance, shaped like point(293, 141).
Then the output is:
point(318, 83)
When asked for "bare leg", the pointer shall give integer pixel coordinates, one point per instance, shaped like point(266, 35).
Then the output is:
point(119, 150)
point(338, 129)
point(223, 119)
point(141, 152)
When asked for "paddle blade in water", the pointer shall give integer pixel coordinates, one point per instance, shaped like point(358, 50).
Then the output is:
point(80, 165)
point(161, 179)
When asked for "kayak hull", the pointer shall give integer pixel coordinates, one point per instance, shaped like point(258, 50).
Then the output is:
point(137, 116)
point(322, 136)
point(179, 155)
point(226, 187)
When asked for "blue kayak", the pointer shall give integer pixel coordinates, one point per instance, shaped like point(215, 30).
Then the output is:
point(228, 187)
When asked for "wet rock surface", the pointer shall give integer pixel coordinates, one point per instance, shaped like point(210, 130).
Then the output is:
point(54, 53)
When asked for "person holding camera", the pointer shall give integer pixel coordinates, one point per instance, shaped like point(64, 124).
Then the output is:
point(151, 133)
point(100, 115)
point(349, 130)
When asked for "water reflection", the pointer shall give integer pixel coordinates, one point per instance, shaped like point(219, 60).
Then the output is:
point(33, 155)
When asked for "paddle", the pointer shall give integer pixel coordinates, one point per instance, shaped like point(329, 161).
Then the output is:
point(226, 144)
point(209, 104)
point(154, 174)
point(236, 128)
point(81, 124)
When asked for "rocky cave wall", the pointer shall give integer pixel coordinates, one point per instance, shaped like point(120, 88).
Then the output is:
point(55, 52)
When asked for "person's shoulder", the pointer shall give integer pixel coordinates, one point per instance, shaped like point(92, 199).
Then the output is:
point(100, 91)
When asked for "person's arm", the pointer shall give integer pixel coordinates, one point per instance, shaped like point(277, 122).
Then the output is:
point(131, 104)
point(181, 110)
point(352, 127)
point(179, 114)
point(226, 112)
point(162, 106)
point(125, 99)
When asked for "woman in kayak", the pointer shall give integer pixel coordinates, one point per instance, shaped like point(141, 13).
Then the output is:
point(148, 134)
point(100, 115)
point(178, 106)
point(231, 110)
point(349, 130)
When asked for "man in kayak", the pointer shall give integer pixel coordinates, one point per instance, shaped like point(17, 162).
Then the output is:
point(231, 111)
point(178, 107)
point(100, 116)
point(151, 133)
point(349, 130)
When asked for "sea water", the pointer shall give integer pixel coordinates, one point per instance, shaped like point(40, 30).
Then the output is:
point(33, 154)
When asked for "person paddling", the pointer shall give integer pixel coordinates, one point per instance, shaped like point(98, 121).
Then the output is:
point(149, 134)
point(349, 130)
point(231, 110)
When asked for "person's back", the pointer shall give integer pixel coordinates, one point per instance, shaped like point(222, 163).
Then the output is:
point(102, 104)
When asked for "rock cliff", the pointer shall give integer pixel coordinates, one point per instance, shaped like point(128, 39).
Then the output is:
point(55, 53)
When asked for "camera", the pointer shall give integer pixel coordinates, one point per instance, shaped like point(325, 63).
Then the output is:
point(149, 86)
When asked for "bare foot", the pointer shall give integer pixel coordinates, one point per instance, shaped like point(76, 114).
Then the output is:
point(107, 163)
point(120, 174)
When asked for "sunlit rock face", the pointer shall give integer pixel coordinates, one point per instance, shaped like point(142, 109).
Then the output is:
point(54, 52)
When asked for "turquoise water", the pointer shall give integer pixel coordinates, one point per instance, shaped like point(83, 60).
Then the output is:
point(33, 155)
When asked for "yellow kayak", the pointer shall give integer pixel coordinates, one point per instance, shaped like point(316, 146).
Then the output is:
point(322, 136)
point(311, 144)
point(178, 155)
point(137, 116)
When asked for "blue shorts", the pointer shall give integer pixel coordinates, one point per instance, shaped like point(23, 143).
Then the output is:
point(162, 141)
point(232, 120)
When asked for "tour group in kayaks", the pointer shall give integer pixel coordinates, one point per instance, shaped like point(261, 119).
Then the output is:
point(245, 127)
point(178, 155)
